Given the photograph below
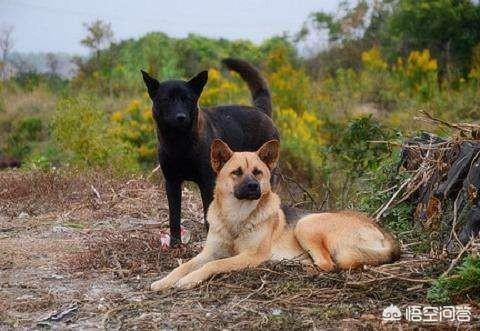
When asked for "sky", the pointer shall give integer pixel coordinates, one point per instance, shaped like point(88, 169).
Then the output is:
point(57, 25)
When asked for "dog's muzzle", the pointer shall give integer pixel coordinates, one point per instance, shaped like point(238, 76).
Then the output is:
point(248, 190)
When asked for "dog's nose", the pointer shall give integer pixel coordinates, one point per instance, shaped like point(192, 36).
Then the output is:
point(253, 186)
point(181, 118)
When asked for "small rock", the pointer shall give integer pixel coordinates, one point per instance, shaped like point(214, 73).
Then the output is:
point(61, 229)
point(56, 276)
point(276, 312)
point(208, 315)
point(23, 215)
point(101, 307)
point(26, 297)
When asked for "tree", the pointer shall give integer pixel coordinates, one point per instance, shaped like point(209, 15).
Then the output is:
point(449, 28)
point(349, 23)
point(52, 63)
point(345, 31)
point(6, 45)
point(100, 36)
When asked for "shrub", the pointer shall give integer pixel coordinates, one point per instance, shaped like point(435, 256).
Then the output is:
point(82, 132)
point(134, 125)
point(376, 187)
point(355, 151)
point(43, 156)
point(25, 134)
point(474, 73)
point(360, 145)
point(223, 90)
point(301, 142)
point(419, 73)
point(291, 87)
point(463, 283)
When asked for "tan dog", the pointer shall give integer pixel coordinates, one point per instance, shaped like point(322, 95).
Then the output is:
point(248, 227)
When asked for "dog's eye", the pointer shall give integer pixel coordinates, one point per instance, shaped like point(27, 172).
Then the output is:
point(185, 98)
point(237, 172)
point(256, 172)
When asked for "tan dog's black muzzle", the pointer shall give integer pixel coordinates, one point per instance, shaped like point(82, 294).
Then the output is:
point(248, 189)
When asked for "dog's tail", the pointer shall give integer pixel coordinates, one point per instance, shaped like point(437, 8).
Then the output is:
point(256, 83)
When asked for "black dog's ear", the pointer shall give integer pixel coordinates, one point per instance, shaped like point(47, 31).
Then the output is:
point(198, 82)
point(151, 83)
point(220, 153)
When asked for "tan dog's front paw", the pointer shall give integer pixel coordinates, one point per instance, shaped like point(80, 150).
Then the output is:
point(161, 284)
point(187, 282)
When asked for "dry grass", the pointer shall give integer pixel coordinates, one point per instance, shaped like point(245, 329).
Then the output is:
point(127, 253)
point(111, 252)
point(20, 103)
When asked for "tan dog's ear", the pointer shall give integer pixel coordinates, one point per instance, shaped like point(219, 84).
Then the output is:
point(269, 153)
point(220, 153)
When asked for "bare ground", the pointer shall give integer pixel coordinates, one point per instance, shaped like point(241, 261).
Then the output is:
point(79, 251)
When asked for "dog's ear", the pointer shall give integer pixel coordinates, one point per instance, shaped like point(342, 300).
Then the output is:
point(269, 153)
point(151, 83)
point(198, 82)
point(220, 153)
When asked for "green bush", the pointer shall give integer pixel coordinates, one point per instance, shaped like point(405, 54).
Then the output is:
point(463, 283)
point(26, 133)
point(375, 188)
point(43, 156)
point(82, 132)
point(360, 145)
point(354, 154)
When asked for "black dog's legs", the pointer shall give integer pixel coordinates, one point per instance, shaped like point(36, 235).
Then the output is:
point(174, 196)
point(206, 190)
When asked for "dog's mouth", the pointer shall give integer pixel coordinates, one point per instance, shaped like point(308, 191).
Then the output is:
point(179, 125)
point(249, 195)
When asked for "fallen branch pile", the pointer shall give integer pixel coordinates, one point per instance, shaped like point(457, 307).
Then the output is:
point(444, 182)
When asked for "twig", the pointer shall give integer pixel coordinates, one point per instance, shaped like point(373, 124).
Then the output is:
point(368, 281)
point(96, 193)
point(465, 127)
point(455, 219)
point(288, 179)
point(387, 205)
point(250, 295)
point(415, 188)
point(153, 172)
point(388, 142)
point(413, 280)
point(327, 197)
point(459, 256)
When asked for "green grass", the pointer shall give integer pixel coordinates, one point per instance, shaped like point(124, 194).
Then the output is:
point(463, 284)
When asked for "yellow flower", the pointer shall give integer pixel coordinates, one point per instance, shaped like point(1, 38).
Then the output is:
point(135, 104)
point(117, 116)
point(213, 75)
point(147, 114)
point(373, 59)
point(144, 151)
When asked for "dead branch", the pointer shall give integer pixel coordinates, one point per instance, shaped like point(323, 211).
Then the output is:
point(464, 127)
point(387, 205)
point(455, 261)
point(386, 273)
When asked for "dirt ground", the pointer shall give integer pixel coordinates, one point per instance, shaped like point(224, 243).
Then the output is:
point(79, 252)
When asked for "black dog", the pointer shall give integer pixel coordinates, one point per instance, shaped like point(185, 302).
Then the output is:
point(186, 132)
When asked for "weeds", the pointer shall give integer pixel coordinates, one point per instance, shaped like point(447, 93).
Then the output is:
point(463, 284)
point(81, 132)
